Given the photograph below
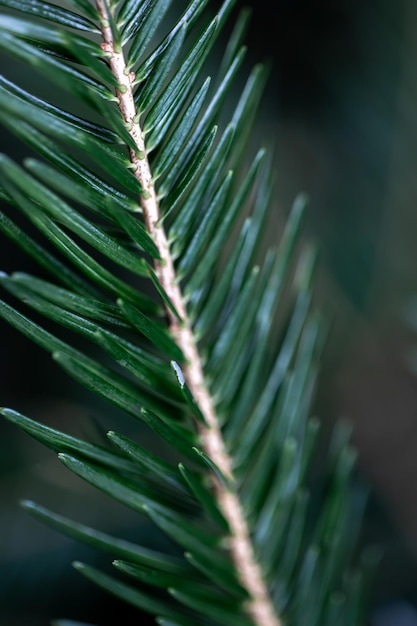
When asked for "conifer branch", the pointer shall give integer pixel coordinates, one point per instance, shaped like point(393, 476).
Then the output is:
point(259, 605)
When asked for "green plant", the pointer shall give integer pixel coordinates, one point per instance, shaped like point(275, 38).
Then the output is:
point(157, 214)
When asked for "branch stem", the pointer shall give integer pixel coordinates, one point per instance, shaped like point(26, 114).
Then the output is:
point(259, 605)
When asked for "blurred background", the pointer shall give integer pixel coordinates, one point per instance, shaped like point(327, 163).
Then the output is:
point(341, 104)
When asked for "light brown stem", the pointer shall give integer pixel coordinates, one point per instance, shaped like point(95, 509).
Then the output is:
point(259, 605)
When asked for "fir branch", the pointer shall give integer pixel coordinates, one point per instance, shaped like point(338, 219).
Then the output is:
point(245, 492)
point(259, 605)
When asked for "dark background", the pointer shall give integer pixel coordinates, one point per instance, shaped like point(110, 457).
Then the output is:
point(341, 107)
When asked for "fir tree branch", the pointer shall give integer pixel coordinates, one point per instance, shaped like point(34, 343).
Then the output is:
point(259, 605)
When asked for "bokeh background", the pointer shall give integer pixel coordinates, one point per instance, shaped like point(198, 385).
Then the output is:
point(341, 105)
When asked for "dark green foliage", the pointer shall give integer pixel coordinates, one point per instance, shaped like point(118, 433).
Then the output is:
point(250, 310)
